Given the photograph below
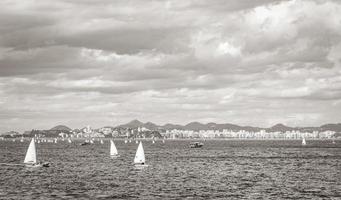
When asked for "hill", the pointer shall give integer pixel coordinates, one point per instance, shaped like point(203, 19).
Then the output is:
point(61, 128)
point(132, 124)
point(280, 128)
point(331, 127)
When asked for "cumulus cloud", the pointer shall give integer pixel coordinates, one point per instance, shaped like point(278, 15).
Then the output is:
point(104, 63)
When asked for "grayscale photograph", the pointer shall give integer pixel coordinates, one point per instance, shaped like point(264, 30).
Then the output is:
point(170, 100)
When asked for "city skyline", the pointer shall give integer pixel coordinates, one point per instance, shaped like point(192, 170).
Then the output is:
point(256, 63)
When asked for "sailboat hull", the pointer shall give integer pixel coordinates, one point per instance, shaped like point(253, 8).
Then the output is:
point(45, 164)
point(140, 166)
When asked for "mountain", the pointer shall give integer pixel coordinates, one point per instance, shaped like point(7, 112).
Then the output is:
point(331, 127)
point(151, 126)
point(280, 128)
point(133, 124)
point(61, 128)
point(195, 126)
point(172, 126)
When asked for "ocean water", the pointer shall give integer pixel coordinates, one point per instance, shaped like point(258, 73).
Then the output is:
point(222, 169)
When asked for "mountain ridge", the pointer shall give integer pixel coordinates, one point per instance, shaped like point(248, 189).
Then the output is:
point(196, 126)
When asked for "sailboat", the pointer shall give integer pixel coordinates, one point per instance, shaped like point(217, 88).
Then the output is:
point(304, 142)
point(113, 150)
point(31, 156)
point(140, 159)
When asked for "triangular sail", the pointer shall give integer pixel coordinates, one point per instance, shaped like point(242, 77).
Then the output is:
point(139, 157)
point(113, 150)
point(303, 141)
point(31, 155)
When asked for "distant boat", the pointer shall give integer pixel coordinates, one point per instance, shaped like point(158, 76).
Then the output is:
point(22, 139)
point(125, 141)
point(102, 142)
point(139, 156)
point(196, 145)
point(31, 156)
point(136, 141)
point(304, 142)
point(69, 140)
point(129, 141)
point(113, 150)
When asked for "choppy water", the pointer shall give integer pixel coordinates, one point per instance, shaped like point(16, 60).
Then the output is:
point(233, 169)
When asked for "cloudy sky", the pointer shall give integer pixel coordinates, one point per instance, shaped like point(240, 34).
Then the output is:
point(104, 62)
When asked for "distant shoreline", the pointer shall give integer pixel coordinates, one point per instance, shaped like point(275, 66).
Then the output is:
point(180, 139)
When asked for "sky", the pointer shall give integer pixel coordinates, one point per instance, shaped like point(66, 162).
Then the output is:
point(104, 62)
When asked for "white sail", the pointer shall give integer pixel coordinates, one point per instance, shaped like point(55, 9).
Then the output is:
point(113, 150)
point(31, 155)
point(139, 157)
point(303, 141)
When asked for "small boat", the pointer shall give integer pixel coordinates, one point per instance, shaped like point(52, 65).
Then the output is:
point(113, 149)
point(153, 141)
point(196, 145)
point(304, 142)
point(140, 159)
point(136, 141)
point(102, 142)
point(31, 157)
point(84, 143)
point(69, 140)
